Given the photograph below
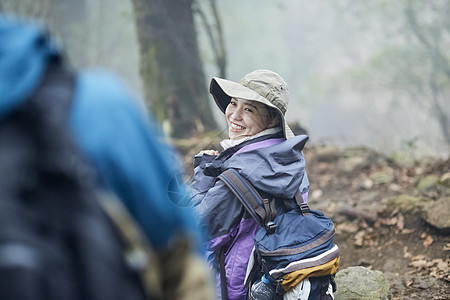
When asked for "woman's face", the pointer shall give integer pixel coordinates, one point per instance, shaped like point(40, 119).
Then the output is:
point(245, 118)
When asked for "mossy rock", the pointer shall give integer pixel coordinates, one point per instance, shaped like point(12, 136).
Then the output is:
point(437, 214)
point(444, 180)
point(428, 182)
point(328, 154)
point(403, 159)
point(407, 203)
point(384, 176)
point(360, 283)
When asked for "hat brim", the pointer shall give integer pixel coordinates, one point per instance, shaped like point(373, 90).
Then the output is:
point(223, 90)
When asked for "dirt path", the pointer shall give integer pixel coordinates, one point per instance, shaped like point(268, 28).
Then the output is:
point(413, 255)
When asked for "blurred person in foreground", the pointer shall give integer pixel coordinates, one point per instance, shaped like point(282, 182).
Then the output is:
point(120, 144)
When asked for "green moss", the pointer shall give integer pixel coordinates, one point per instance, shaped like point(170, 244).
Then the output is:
point(428, 182)
point(408, 204)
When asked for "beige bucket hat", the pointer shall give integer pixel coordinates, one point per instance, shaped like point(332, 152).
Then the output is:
point(261, 85)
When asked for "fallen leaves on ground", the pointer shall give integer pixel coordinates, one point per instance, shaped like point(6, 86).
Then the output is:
point(438, 268)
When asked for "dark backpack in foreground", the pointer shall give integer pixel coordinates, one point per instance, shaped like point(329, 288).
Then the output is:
point(56, 242)
point(293, 243)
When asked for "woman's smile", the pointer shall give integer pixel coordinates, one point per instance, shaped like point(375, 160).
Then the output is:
point(236, 126)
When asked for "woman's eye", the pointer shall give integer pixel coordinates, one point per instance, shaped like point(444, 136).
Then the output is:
point(249, 109)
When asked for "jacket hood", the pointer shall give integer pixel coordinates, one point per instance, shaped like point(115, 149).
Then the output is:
point(277, 170)
point(25, 50)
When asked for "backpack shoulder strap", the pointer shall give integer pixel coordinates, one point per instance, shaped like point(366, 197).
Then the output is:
point(302, 204)
point(56, 92)
point(47, 111)
point(262, 210)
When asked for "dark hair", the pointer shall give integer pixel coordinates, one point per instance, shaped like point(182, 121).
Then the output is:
point(273, 113)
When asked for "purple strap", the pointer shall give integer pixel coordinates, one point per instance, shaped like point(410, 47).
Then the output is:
point(262, 144)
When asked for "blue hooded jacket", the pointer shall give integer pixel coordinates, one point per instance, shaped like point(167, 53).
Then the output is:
point(116, 137)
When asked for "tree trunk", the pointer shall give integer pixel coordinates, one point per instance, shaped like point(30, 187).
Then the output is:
point(171, 69)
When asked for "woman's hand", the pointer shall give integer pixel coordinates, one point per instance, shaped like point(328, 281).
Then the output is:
point(209, 152)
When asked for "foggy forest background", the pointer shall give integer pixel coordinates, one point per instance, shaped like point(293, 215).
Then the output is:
point(361, 73)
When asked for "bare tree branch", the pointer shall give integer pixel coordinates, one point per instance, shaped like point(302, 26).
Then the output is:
point(435, 52)
point(438, 110)
point(215, 37)
point(221, 60)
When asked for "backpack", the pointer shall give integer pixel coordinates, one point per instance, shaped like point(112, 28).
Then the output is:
point(56, 240)
point(293, 244)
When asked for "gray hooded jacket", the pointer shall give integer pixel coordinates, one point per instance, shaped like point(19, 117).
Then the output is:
point(277, 170)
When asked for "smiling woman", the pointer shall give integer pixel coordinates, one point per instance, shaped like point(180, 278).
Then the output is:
point(263, 149)
point(247, 118)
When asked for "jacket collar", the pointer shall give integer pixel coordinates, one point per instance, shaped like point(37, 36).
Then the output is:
point(216, 166)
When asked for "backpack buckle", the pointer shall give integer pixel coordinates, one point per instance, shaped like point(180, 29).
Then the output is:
point(270, 228)
point(305, 209)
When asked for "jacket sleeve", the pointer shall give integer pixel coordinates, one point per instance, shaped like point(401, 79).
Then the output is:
point(130, 157)
point(219, 213)
point(200, 182)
